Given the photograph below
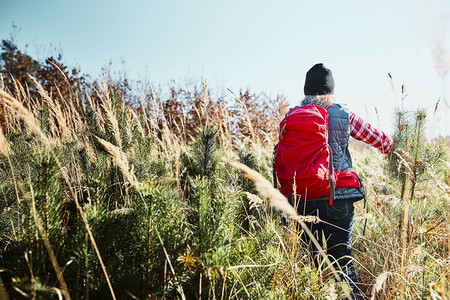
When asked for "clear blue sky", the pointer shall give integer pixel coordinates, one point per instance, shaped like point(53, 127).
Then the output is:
point(264, 45)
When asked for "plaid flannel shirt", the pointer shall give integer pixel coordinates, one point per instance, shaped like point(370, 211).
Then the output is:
point(363, 131)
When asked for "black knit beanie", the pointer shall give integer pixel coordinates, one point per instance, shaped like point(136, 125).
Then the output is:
point(319, 81)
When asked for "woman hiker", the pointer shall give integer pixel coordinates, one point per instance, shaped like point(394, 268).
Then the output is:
point(338, 217)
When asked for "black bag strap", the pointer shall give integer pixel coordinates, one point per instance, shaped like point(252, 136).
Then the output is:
point(274, 173)
point(331, 179)
point(331, 176)
point(367, 214)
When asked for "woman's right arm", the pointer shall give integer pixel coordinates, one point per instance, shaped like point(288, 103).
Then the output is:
point(363, 131)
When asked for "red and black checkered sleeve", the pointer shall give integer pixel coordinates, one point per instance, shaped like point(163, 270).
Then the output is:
point(363, 131)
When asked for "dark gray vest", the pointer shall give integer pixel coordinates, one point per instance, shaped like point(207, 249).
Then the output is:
point(339, 135)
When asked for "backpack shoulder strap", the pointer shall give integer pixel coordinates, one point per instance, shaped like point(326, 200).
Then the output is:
point(274, 173)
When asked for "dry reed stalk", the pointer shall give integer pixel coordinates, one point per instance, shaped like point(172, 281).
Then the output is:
point(16, 87)
point(5, 148)
point(391, 81)
point(379, 282)
point(177, 126)
point(71, 115)
point(120, 160)
point(170, 143)
point(253, 266)
point(246, 114)
point(33, 279)
point(138, 122)
point(23, 94)
point(89, 100)
point(405, 233)
point(173, 147)
point(254, 200)
point(129, 128)
point(277, 200)
point(164, 141)
point(403, 161)
point(144, 106)
point(98, 113)
point(26, 116)
point(61, 130)
point(155, 108)
point(69, 85)
point(265, 188)
point(184, 121)
point(107, 107)
point(31, 101)
point(6, 117)
point(79, 125)
point(167, 136)
point(2, 83)
point(224, 125)
point(205, 105)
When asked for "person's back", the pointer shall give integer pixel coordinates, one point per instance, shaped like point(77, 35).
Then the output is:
point(338, 217)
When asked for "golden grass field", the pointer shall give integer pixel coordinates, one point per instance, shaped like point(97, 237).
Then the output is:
point(105, 200)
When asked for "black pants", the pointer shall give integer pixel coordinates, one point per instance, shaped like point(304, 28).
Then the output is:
point(338, 238)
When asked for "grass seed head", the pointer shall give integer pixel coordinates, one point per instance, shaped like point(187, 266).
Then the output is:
point(264, 187)
point(4, 144)
point(120, 160)
point(28, 118)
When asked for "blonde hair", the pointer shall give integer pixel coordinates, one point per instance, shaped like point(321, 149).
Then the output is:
point(321, 100)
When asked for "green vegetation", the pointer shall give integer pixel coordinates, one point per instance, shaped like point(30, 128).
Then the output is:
point(100, 199)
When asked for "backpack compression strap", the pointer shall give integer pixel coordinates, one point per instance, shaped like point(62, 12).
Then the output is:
point(331, 179)
point(274, 173)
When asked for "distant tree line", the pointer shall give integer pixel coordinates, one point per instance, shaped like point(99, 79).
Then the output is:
point(183, 109)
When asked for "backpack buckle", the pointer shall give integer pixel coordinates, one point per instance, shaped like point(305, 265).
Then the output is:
point(283, 130)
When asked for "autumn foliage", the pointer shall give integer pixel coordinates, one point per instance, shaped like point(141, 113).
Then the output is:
point(183, 110)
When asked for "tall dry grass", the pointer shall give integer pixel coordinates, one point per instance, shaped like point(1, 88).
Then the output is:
point(59, 134)
point(403, 255)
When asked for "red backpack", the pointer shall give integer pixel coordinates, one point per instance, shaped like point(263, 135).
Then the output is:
point(303, 159)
